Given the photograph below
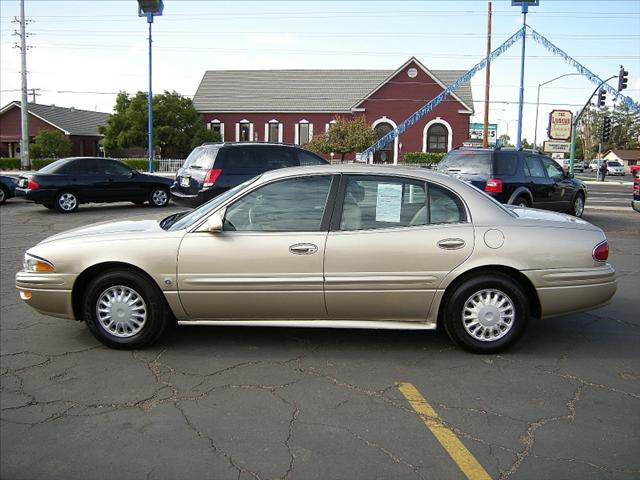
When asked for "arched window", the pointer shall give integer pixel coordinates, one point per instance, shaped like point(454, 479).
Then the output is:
point(386, 153)
point(437, 138)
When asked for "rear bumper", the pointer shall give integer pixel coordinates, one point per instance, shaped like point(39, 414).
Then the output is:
point(203, 196)
point(40, 195)
point(565, 291)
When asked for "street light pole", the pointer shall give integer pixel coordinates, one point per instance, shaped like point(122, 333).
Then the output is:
point(535, 132)
point(150, 9)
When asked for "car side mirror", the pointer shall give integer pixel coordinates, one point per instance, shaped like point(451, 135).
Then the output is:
point(215, 223)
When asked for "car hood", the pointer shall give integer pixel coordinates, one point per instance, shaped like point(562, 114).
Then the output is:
point(537, 217)
point(120, 230)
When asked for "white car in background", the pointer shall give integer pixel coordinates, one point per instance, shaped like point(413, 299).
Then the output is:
point(615, 168)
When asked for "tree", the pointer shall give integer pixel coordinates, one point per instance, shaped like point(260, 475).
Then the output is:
point(50, 144)
point(504, 138)
point(344, 136)
point(625, 129)
point(177, 126)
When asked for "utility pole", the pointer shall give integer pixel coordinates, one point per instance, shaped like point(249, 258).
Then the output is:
point(487, 82)
point(34, 94)
point(25, 163)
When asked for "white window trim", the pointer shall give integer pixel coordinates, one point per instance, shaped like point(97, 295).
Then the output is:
point(433, 122)
point(296, 132)
point(395, 141)
point(280, 130)
point(328, 125)
point(215, 120)
point(250, 130)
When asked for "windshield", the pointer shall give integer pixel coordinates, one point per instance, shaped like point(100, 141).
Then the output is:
point(470, 162)
point(202, 210)
point(615, 164)
point(53, 167)
point(201, 157)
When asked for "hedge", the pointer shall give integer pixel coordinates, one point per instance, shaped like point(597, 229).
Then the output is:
point(36, 164)
point(422, 157)
point(9, 163)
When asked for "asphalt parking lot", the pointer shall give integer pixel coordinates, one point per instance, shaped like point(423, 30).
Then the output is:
point(238, 403)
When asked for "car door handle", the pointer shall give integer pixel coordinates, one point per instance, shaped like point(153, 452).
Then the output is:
point(451, 243)
point(303, 249)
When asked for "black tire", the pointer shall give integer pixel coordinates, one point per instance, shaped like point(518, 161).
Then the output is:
point(159, 197)
point(522, 202)
point(121, 335)
point(491, 287)
point(67, 201)
point(577, 205)
point(4, 194)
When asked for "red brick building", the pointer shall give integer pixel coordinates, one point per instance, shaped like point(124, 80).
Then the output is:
point(290, 106)
point(81, 126)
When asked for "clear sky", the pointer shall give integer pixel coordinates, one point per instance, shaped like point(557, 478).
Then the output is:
point(83, 52)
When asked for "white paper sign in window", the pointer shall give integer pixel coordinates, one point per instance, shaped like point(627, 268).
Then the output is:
point(389, 202)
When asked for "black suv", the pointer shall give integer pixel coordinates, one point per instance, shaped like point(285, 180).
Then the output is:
point(517, 177)
point(213, 168)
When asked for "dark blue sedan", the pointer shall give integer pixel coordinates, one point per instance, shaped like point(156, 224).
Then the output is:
point(66, 183)
point(7, 188)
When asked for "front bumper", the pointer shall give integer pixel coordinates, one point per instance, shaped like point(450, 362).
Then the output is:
point(47, 293)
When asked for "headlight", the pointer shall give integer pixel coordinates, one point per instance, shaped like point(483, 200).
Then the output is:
point(36, 265)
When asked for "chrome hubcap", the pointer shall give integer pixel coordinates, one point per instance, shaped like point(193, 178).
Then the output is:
point(159, 197)
point(67, 201)
point(121, 311)
point(488, 315)
point(579, 206)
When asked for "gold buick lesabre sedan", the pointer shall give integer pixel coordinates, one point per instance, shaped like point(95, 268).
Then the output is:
point(353, 246)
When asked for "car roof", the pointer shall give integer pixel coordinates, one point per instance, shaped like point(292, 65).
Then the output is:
point(246, 144)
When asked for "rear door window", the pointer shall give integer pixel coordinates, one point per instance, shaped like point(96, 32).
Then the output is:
point(239, 158)
point(533, 166)
point(272, 158)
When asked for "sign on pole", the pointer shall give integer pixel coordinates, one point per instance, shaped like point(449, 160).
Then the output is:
point(557, 147)
point(476, 132)
point(560, 124)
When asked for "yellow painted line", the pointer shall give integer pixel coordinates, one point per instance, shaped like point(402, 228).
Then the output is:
point(449, 441)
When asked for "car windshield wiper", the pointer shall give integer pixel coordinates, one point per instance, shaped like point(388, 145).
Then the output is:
point(166, 223)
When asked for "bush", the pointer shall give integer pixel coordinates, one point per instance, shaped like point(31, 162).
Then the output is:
point(50, 143)
point(141, 164)
point(423, 157)
point(7, 163)
point(38, 163)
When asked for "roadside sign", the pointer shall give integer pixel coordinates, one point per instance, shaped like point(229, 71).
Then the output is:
point(557, 147)
point(560, 124)
point(476, 132)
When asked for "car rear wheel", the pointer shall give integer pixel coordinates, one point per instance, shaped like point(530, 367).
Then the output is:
point(522, 202)
point(577, 206)
point(4, 194)
point(67, 202)
point(486, 313)
point(124, 310)
point(159, 197)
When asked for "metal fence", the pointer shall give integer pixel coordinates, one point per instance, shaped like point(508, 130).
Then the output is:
point(169, 165)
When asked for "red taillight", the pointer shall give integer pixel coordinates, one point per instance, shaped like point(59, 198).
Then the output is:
point(212, 176)
point(601, 252)
point(636, 184)
point(32, 184)
point(494, 185)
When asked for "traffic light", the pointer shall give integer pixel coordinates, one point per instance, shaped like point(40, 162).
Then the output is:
point(602, 97)
point(606, 129)
point(623, 78)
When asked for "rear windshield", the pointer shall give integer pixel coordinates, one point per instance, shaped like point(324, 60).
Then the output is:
point(201, 157)
point(55, 166)
point(469, 162)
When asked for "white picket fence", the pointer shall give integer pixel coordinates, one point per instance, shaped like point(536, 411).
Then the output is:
point(169, 165)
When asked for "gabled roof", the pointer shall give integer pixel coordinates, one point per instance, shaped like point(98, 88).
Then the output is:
point(625, 154)
point(71, 121)
point(301, 90)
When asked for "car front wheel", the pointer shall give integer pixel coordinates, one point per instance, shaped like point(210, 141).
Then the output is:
point(486, 313)
point(124, 310)
point(159, 197)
